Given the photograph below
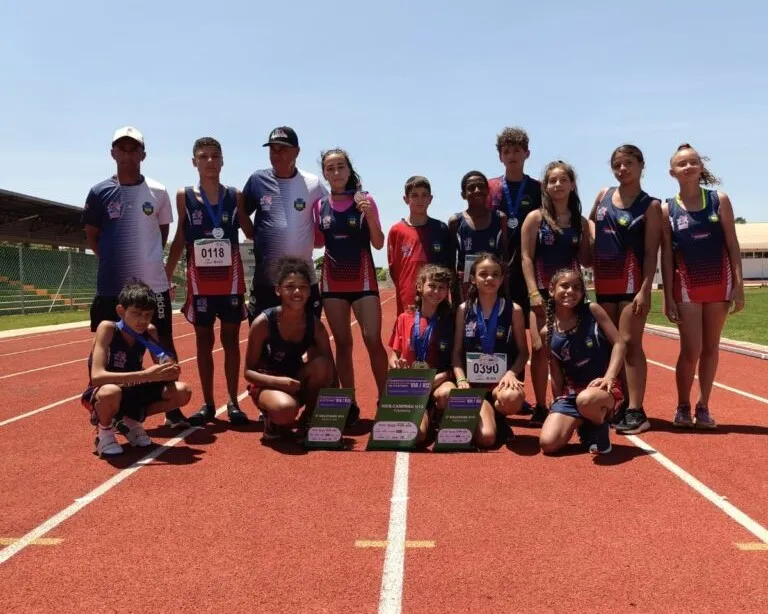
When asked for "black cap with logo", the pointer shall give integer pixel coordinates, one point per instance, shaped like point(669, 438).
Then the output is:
point(283, 135)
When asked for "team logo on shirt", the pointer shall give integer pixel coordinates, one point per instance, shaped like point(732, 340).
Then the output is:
point(279, 356)
point(148, 208)
point(575, 240)
point(225, 218)
point(234, 301)
point(682, 223)
point(114, 210)
point(197, 218)
point(265, 202)
point(202, 304)
point(468, 244)
point(624, 220)
point(443, 346)
point(600, 214)
point(299, 204)
point(525, 201)
point(119, 360)
point(436, 247)
point(352, 222)
point(512, 223)
point(406, 250)
point(500, 332)
point(491, 242)
point(469, 329)
point(713, 218)
point(326, 221)
point(565, 352)
point(589, 343)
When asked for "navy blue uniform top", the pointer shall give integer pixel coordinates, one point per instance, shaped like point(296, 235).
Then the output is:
point(471, 241)
point(504, 339)
point(555, 251)
point(584, 353)
point(121, 357)
point(620, 244)
point(281, 357)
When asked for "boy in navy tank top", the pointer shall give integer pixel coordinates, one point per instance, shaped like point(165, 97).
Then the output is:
point(478, 229)
point(625, 224)
point(210, 216)
point(120, 389)
point(288, 358)
point(701, 268)
point(587, 354)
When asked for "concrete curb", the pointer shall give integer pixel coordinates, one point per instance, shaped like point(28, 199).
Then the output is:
point(752, 350)
point(18, 332)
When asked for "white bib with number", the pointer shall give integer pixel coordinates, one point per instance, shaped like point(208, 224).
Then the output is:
point(212, 252)
point(485, 368)
point(469, 260)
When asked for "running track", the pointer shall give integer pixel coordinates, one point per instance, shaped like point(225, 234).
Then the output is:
point(218, 522)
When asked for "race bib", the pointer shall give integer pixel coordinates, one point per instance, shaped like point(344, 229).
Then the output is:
point(212, 252)
point(485, 368)
point(469, 260)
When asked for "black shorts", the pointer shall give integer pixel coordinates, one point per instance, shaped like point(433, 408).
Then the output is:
point(615, 298)
point(104, 308)
point(263, 297)
point(203, 310)
point(350, 297)
point(134, 401)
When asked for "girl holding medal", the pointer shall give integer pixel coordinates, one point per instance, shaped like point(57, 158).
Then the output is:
point(625, 225)
point(423, 337)
point(490, 348)
point(701, 269)
point(279, 379)
point(554, 237)
point(478, 229)
point(347, 225)
point(587, 354)
point(119, 388)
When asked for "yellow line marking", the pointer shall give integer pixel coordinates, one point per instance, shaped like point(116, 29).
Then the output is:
point(40, 541)
point(378, 543)
point(753, 547)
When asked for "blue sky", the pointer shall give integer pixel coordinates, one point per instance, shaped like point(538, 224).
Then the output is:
point(406, 87)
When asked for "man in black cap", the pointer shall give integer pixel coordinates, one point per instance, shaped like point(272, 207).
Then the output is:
point(281, 198)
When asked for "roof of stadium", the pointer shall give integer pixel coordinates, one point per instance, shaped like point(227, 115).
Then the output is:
point(28, 219)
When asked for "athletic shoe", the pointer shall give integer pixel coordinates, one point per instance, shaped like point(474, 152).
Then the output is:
point(354, 415)
point(106, 442)
point(586, 433)
point(683, 417)
point(602, 441)
point(702, 419)
point(619, 415)
point(635, 422)
point(136, 434)
point(237, 416)
point(204, 415)
point(539, 415)
point(527, 409)
point(175, 419)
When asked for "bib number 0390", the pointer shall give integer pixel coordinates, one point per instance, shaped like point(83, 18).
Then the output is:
point(485, 368)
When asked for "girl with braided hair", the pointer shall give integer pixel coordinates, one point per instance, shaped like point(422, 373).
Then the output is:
point(586, 355)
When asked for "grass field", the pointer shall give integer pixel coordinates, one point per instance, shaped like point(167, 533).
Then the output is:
point(42, 319)
point(748, 325)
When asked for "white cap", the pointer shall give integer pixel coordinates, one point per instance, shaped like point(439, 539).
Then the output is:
point(128, 132)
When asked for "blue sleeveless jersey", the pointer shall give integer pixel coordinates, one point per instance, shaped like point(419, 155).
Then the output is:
point(122, 358)
point(555, 251)
point(504, 342)
point(620, 245)
point(281, 357)
point(475, 241)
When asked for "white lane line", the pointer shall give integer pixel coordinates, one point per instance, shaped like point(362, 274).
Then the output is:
point(718, 500)
point(743, 393)
point(391, 596)
point(48, 347)
point(55, 520)
point(77, 396)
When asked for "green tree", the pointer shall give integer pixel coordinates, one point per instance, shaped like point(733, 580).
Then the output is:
point(740, 220)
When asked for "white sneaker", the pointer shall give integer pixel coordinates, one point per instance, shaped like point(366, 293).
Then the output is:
point(136, 435)
point(106, 442)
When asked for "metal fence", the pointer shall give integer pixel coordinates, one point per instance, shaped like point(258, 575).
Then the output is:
point(40, 280)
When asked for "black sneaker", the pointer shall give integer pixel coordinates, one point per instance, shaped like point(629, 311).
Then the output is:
point(175, 419)
point(237, 416)
point(527, 409)
point(539, 415)
point(602, 442)
point(205, 414)
point(354, 415)
point(619, 415)
point(587, 435)
point(635, 422)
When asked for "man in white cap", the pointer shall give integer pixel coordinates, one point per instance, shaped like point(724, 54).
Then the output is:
point(126, 220)
point(281, 198)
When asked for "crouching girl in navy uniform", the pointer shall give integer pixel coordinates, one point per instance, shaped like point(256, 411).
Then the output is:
point(280, 381)
point(490, 348)
point(120, 389)
point(423, 338)
point(701, 269)
point(587, 354)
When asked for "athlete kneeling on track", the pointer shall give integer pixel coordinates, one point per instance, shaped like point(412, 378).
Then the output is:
point(120, 390)
point(280, 378)
point(587, 354)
